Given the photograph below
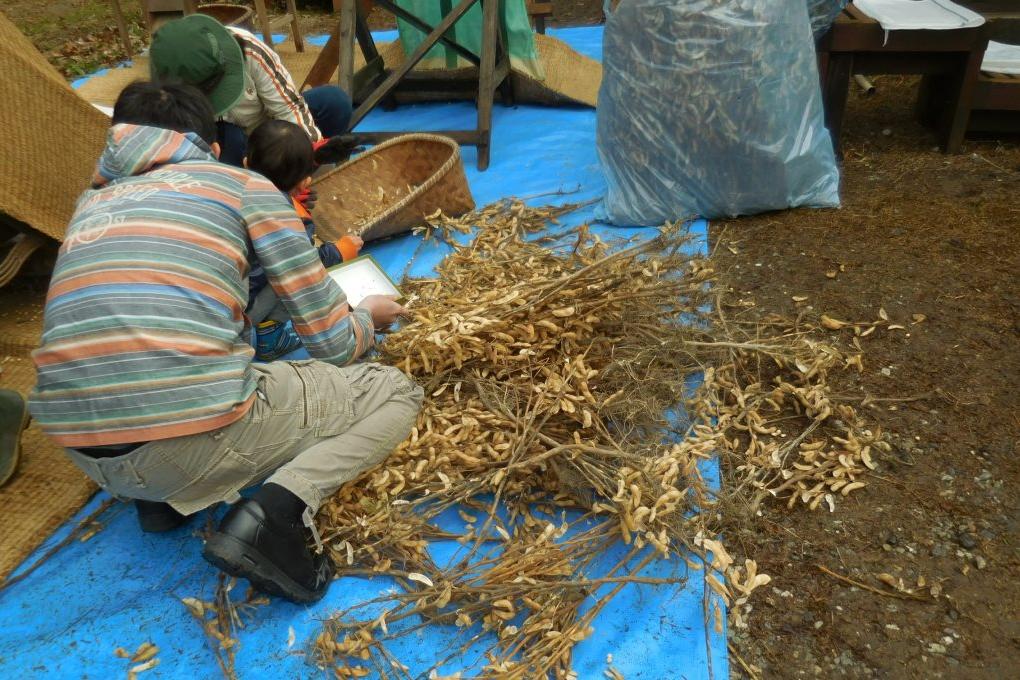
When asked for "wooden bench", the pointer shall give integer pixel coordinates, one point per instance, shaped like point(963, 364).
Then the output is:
point(539, 12)
point(374, 84)
point(949, 62)
point(996, 104)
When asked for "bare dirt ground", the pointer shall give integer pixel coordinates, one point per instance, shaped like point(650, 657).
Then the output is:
point(935, 241)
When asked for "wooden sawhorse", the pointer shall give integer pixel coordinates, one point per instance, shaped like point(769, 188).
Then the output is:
point(374, 84)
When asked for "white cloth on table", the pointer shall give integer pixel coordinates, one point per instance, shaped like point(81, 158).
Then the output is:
point(895, 15)
point(1001, 58)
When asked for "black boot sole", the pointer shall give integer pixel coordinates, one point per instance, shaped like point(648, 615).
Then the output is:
point(242, 560)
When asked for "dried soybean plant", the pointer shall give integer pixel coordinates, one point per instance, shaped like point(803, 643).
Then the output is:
point(786, 433)
point(222, 619)
point(550, 364)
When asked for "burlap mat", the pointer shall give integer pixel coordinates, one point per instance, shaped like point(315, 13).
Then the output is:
point(53, 137)
point(46, 489)
point(570, 77)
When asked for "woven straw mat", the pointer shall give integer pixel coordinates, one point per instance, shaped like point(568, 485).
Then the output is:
point(47, 489)
point(53, 137)
point(570, 77)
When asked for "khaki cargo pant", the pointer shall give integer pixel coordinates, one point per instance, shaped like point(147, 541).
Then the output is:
point(311, 428)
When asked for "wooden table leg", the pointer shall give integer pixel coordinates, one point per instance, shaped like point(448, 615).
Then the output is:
point(823, 67)
point(125, 35)
point(932, 98)
point(263, 18)
point(963, 96)
point(345, 77)
point(295, 27)
point(490, 27)
point(834, 95)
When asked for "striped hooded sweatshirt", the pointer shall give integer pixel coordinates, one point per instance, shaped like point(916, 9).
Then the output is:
point(144, 335)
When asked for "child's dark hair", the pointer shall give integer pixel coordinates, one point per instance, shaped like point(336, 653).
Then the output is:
point(281, 152)
point(171, 106)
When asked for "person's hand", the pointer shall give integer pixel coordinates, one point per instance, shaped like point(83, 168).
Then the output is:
point(384, 310)
point(307, 198)
point(349, 246)
point(335, 149)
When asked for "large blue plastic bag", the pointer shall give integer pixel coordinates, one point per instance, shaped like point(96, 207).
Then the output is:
point(822, 13)
point(711, 108)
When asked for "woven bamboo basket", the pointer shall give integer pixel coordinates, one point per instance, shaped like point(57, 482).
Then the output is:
point(391, 188)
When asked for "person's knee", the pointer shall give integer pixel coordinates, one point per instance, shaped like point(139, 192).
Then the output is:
point(405, 386)
point(331, 108)
point(333, 97)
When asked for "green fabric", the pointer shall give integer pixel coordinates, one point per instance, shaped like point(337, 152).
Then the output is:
point(514, 22)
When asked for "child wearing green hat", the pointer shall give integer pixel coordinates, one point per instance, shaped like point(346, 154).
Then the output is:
point(245, 81)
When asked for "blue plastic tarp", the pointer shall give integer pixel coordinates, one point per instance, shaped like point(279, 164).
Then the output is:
point(122, 587)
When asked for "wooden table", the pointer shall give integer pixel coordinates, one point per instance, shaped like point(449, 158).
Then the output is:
point(373, 84)
point(949, 61)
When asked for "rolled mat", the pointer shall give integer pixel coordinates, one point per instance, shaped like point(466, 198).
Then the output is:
point(570, 77)
point(53, 137)
point(47, 489)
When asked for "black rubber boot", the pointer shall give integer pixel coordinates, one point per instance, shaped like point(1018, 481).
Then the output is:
point(156, 517)
point(274, 557)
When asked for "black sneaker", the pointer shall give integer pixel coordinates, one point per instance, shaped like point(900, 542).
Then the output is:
point(275, 559)
point(156, 517)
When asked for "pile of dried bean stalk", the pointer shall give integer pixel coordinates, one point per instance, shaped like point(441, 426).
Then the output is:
point(548, 365)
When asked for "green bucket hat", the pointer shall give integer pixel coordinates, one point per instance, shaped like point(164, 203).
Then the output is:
point(199, 51)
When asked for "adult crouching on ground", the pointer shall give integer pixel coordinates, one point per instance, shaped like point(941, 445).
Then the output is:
point(245, 81)
point(145, 374)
